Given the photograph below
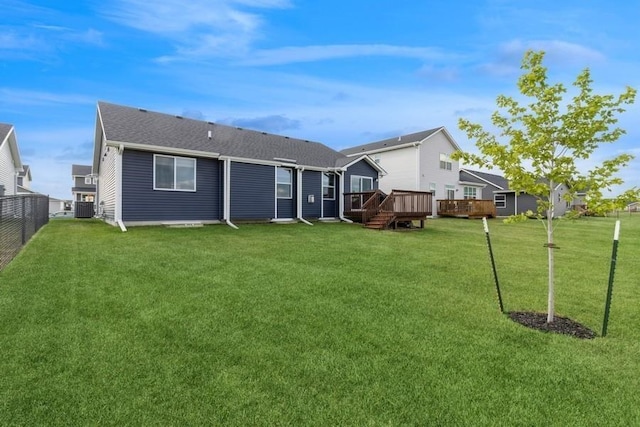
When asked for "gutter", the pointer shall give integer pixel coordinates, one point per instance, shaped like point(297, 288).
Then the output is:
point(226, 203)
point(341, 201)
point(299, 217)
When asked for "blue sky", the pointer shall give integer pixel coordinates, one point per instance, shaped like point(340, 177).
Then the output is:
point(339, 72)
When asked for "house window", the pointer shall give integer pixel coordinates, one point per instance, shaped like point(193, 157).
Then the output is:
point(20, 180)
point(470, 192)
point(451, 191)
point(500, 200)
point(284, 182)
point(87, 180)
point(174, 173)
point(445, 162)
point(432, 188)
point(328, 186)
point(360, 184)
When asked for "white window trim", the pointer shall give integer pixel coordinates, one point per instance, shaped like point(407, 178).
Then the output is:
point(445, 162)
point(290, 184)
point(360, 178)
point(329, 186)
point(503, 202)
point(195, 165)
point(470, 190)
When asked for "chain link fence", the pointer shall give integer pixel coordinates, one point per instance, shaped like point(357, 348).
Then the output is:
point(20, 218)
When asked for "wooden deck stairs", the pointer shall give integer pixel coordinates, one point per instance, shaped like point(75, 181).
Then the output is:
point(380, 221)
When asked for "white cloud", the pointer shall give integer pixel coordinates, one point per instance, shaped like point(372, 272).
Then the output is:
point(293, 54)
point(11, 97)
point(200, 28)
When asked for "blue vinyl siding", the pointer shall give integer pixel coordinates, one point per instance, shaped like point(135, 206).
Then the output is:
point(287, 207)
point(252, 191)
point(330, 208)
point(362, 168)
point(140, 202)
point(311, 185)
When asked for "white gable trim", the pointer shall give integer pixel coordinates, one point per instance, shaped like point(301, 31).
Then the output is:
point(11, 142)
point(369, 160)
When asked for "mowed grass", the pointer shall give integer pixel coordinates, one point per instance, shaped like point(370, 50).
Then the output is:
point(325, 325)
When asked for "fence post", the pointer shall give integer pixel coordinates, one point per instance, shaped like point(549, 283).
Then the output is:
point(612, 271)
point(24, 221)
point(493, 263)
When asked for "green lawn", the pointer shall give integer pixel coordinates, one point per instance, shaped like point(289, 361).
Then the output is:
point(325, 325)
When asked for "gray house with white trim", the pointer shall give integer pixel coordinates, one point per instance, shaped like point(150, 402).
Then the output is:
point(155, 168)
point(508, 201)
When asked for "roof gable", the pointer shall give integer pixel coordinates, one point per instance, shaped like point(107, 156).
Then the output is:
point(399, 142)
point(8, 136)
point(158, 131)
point(497, 181)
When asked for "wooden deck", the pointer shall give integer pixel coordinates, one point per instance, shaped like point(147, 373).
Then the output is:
point(376, 209)
point(467, 208)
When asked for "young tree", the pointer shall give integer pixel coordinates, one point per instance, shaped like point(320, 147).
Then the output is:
point(546, 139)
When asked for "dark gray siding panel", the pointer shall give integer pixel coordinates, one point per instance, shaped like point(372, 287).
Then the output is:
point(311, 185)
point(362, 168)
point(510, 205)
point(527, 202)
point(140, 202)
point(252, 191)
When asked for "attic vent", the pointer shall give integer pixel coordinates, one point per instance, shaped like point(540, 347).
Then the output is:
point(286, 137)
point(211, 123)
point(178, 117)
point(142, 109)
point(264, 133)
point(239, 128)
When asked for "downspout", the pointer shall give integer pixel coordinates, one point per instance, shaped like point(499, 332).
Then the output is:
point(515, 202)
point(341, 200)
point(118, 212)
point(299, 171)
point(227, 194)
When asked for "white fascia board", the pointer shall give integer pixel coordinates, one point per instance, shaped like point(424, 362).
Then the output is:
point(13, 149)
point(472, 184)
point(162, 150)
point(274, 163)
point(389, 148)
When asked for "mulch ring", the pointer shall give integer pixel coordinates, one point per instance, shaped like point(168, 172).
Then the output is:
point(560, 325)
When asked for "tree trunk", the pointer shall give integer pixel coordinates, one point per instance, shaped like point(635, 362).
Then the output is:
point(550, 213)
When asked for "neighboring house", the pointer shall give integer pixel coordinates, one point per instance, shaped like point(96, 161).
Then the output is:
point(84, 183)
point(24, 180)
point(10, 163)
point(155, 168)
point(633, 207)
point(508, 201)
point(419, 161)
point(57, 205)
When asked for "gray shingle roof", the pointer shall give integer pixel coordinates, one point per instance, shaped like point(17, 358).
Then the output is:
point(390, 142)
point(80, 170)
point(4, 131)
point(139, 126)
point(24, 171)
point(497, 180)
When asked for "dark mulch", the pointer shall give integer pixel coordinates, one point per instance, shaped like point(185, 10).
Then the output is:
point(560, 325)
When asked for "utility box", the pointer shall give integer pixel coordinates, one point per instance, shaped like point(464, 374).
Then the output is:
point(311, 198)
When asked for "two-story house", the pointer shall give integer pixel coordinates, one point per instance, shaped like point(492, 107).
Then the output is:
point(419, 161)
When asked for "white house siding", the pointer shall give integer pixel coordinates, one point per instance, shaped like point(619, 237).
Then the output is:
point(402, 169)
point(7, 170)
point(430, 151)
point(107, 185)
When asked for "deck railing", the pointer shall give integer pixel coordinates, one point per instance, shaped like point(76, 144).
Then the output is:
point(471, 208)
point(402, 203)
